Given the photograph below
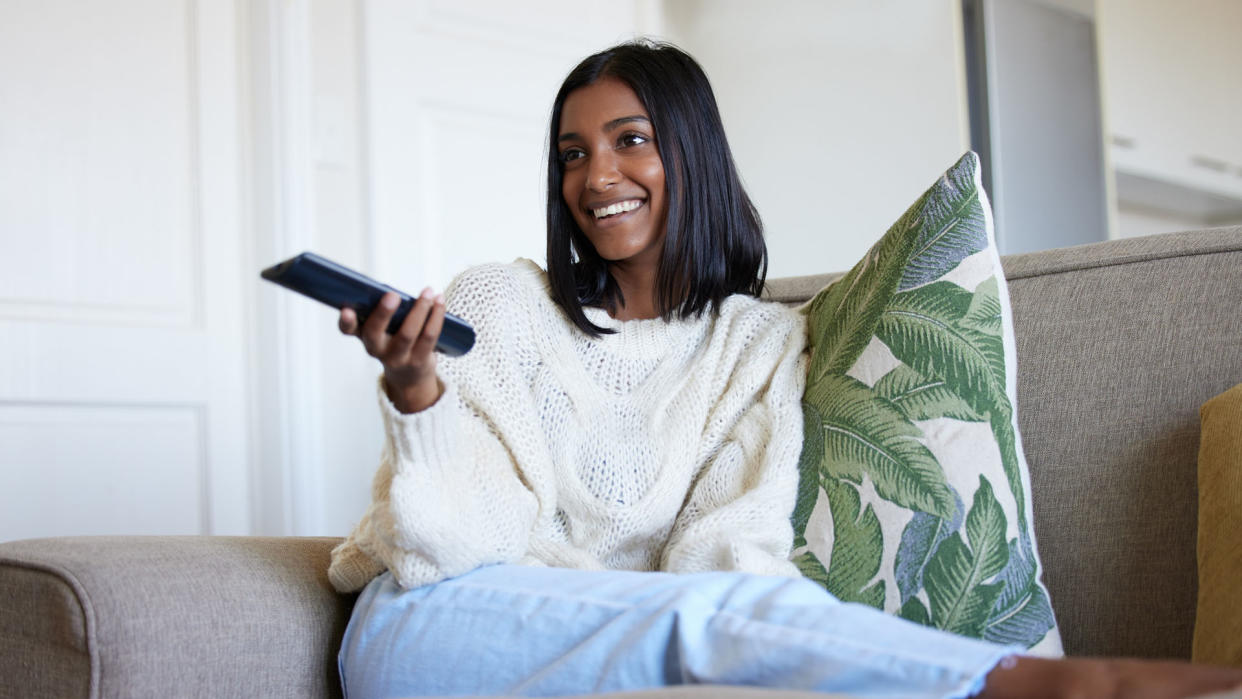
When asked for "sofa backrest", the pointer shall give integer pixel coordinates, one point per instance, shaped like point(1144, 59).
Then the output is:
point(1119, 343)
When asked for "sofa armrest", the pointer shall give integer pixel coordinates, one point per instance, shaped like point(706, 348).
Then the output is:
point(169, 616)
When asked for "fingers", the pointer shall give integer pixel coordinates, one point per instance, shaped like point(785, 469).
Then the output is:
point(411, 346)
point(433, 326)
point(374, 333)
point(348, 322)
point(416, 338)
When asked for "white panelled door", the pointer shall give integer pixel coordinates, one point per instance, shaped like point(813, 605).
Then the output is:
point(122, 361)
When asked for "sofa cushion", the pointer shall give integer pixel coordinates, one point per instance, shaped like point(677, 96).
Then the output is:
point(915, 496)
point(1219, 614)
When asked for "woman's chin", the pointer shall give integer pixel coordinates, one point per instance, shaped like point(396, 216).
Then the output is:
point(615, 251)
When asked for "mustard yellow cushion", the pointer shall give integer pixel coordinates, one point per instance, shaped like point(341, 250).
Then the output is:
point(1218, 624)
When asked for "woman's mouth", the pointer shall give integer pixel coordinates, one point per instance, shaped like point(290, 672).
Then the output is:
point(616, 209)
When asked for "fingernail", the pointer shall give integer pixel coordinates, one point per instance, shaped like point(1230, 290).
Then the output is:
point(440, 299)
point(390, 302)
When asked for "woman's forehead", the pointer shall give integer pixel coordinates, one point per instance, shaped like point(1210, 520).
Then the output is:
point(599, 104)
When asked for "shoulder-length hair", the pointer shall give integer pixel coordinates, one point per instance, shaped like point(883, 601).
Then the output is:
point(713, 244)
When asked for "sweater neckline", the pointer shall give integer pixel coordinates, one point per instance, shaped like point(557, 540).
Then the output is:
point(645, 337)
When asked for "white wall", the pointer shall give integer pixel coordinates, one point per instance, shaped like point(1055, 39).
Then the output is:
point(840, 113)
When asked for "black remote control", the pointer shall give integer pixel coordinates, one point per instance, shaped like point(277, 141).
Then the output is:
point(341, 287)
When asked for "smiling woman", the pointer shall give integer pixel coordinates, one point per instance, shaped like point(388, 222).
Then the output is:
point(598, 496)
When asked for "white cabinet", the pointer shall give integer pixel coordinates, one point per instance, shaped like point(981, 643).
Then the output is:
point(1172, 90)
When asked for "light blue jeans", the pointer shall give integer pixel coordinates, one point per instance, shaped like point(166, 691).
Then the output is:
point(531, 631)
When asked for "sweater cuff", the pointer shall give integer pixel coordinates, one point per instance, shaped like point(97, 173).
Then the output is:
point(351, 568)
point(427, 438)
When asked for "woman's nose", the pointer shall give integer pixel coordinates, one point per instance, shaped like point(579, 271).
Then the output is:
point(602, 171)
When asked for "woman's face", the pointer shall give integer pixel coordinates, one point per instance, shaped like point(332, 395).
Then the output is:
point(613, 177)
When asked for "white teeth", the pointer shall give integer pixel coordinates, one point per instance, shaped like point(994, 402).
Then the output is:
point(618, 208)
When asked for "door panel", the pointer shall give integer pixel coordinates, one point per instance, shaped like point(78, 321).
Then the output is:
point(122, 395)
point(119, 469)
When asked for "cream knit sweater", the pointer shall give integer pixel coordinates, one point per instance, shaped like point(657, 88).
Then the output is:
point(666, 446)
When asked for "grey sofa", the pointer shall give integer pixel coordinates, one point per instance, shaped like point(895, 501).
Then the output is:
point(1118, 344)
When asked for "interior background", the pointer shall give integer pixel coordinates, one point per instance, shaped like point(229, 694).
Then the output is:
point(155, 154)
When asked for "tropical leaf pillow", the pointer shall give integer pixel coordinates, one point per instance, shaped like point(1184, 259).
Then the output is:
point(915, 497)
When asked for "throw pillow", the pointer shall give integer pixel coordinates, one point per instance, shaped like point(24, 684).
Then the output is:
point(1219, 616)
point(914, 495)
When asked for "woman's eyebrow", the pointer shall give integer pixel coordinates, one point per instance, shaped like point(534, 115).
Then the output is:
point(573, 135)
point(625, 120)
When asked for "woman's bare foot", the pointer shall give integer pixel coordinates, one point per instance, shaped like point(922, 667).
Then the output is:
point(1021, 677)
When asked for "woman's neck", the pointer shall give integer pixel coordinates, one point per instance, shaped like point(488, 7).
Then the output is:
point(637, 284)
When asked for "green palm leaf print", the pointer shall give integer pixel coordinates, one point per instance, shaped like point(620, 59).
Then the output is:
point(1022, 613)
point(946, 333)
point(865, 434)
point(857, 547)
point(920, 398)
point(952, 226)
point(913, 610)
point(1025, 623)
point(983, 323)
point(808, 472)
point(843, 317)
point(920, 328)
point(812, 568)
point(1007, 442)
point(984, 313)
point(919, 540)
point(956, 577)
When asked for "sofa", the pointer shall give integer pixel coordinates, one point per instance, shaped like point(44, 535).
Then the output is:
point(1118, 343)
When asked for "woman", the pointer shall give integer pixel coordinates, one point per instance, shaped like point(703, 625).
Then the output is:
point(598, 496)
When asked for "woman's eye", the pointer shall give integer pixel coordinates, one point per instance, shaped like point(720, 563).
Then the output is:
point(570, 154)
point(633, 139)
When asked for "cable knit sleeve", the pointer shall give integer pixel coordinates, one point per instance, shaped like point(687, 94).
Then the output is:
point(450, 494)
point(737, 514)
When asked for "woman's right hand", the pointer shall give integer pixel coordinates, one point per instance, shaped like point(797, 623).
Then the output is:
point(408, 355)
